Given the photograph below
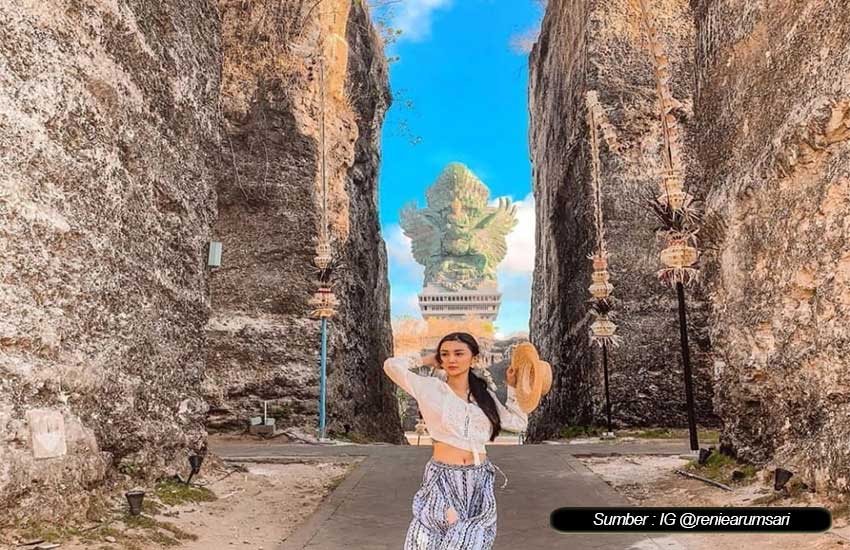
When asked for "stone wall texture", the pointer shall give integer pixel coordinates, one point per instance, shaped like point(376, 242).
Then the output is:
point(263, 345)
point(773, 139)
point(131, 135)
point(108, 147)
point(600, 46)
point(766, 118)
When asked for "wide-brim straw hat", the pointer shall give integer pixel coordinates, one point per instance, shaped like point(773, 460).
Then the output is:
point(534, 376)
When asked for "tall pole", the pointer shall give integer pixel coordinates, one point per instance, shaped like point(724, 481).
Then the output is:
point(602, 330)
point(324, 227)
point(323, 238)
point(323, 378)
point(322, 372)
point(680, 217)
point(686, 362)
point(607, 394)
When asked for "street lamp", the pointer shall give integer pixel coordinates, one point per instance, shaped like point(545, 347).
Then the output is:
point(420, 429)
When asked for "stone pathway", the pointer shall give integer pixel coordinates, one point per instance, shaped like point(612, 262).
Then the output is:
point(371, 509)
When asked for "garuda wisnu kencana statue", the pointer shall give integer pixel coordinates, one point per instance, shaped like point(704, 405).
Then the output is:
point(459, 238)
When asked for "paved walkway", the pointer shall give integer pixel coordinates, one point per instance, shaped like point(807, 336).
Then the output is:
point(371, 509)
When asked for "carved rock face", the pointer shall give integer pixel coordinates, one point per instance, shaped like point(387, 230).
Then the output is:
point(776, 151)
point(135, 135)
point(769, 156)
point(105, 226)
point(646, 379)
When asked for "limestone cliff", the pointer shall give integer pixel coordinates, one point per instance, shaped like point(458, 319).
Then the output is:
point(766, 112)
point(133, 134)
point(263, 345)
point(773, 138)
point(109, 129)
point(599, 46)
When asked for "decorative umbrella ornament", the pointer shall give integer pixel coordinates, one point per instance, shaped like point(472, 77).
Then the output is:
point(674, 207)
point(323, 254)
point(602, 330)
point(324, 303)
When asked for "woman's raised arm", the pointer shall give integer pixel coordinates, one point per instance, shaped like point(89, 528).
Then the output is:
point(424, 389)
point(512, 417)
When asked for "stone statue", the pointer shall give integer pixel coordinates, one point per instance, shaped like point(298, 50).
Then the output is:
point(457, 237)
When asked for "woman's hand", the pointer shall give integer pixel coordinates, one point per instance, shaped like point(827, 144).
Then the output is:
point(430, 360)
point(510, 377)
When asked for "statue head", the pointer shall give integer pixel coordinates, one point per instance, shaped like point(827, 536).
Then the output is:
point(457, 183)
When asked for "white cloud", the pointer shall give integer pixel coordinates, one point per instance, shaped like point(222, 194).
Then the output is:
point(405, 274)
point(400, 256)
point(520, 256)
point(404, 302)
point(516, 270)
point(413, 18)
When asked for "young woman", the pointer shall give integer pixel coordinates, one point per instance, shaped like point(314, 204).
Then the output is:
point(455, 508)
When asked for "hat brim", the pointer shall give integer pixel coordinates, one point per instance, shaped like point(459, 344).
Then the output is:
point(531, 376)
point(546, 374)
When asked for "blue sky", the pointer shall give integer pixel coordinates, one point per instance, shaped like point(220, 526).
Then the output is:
point(465, 72)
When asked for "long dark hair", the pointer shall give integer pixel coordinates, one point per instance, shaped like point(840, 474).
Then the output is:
point(477, 387)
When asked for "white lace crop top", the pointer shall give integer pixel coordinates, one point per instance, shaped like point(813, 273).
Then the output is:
point(449, 418)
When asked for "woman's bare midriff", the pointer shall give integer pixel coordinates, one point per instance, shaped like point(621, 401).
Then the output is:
point(449, 454)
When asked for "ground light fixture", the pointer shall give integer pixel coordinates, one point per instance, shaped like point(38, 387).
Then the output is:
point(780, 478)
point(134, 499)
point(195, 462)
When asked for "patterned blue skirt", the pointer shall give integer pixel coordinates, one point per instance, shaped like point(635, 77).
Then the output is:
point(465, 489)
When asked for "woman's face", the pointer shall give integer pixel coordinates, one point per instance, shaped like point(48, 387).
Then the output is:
point(455, 358)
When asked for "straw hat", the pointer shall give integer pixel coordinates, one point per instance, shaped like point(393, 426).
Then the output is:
point(534, 376)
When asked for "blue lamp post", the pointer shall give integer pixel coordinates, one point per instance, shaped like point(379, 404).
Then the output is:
point(324, 305)
point(324, 302)
point(323, 378)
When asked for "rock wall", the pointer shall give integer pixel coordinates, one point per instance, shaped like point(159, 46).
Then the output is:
point(263, 345)
point(773, 119)
point(108, 130)
point(127, 130)
point(766, 114)
point(558, 323)
point(600, 46)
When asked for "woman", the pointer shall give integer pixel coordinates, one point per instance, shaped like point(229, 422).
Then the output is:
point(455, 508)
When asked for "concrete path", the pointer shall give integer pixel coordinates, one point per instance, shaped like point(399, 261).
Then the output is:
point(371, 509)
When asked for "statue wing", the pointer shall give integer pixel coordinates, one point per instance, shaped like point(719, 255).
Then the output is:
point(424, 235)
point(489, 235)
